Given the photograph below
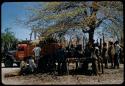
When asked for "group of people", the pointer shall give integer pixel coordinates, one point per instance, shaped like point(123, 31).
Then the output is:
point(110, 53)
point(30, 64)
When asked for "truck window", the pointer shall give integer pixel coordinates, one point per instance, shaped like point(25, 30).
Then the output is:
point(20, 48)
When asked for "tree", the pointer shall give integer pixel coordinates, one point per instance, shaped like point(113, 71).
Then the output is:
point(8, 40)
point(83, 15)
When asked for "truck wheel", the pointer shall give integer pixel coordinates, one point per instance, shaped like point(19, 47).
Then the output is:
point(18, 64)
point(8, 63)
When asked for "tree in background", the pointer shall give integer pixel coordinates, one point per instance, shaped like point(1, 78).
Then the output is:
point(8, 40)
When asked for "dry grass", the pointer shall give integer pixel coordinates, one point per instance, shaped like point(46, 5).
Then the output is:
point(110, 76)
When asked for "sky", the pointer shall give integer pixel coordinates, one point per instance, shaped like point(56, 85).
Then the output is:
point(11, 11)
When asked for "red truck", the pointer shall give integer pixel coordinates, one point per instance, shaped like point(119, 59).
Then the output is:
point(24, 50)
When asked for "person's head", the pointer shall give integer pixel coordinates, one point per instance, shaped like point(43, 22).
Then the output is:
point(110, 43)
point(104, 44)
point(96, 45)
point(117, 42)
point(30, 57)
point(37, 45)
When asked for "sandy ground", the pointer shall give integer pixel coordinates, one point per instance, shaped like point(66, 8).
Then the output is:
point(110, 76)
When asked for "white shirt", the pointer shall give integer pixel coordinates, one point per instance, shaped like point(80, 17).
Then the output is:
point(117, 48)
point(37, 51)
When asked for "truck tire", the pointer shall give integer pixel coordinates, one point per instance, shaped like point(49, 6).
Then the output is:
point(18, 64)
point(8, 63)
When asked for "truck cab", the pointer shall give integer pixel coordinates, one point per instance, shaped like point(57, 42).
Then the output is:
point(24, 50)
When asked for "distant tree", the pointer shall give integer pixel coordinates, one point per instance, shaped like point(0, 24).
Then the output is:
point(8, 40)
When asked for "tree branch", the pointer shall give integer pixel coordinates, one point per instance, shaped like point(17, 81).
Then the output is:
point(85, 31)
point(100, 21)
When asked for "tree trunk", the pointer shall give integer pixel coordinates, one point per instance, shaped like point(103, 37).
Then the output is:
point(3, 44)
point(91, 36)
point(100, 48)
point(35, 35)
point(103, 38)
point(31, 35)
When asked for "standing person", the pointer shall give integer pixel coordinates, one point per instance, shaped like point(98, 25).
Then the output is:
point(95, 59)
point(111, 53)
point(61, 59)
point(72, 50)
point(117, 52)
point(104, 54)
point(87, 55)
point(37, 52)
point(32, 64)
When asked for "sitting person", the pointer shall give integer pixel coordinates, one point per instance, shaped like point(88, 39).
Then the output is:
point(23, 66)
point(27, 66)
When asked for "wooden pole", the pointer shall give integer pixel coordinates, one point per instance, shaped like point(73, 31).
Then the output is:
point(100, 45)
point(35, 35)
point(31, 36)
point(97, 41)
point(83, 42)
point(103, 37)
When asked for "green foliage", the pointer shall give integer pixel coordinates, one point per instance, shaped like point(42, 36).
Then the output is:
point(66, 14)
point(8, 39)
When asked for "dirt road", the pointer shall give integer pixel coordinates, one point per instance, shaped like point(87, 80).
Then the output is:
point(110, 76)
